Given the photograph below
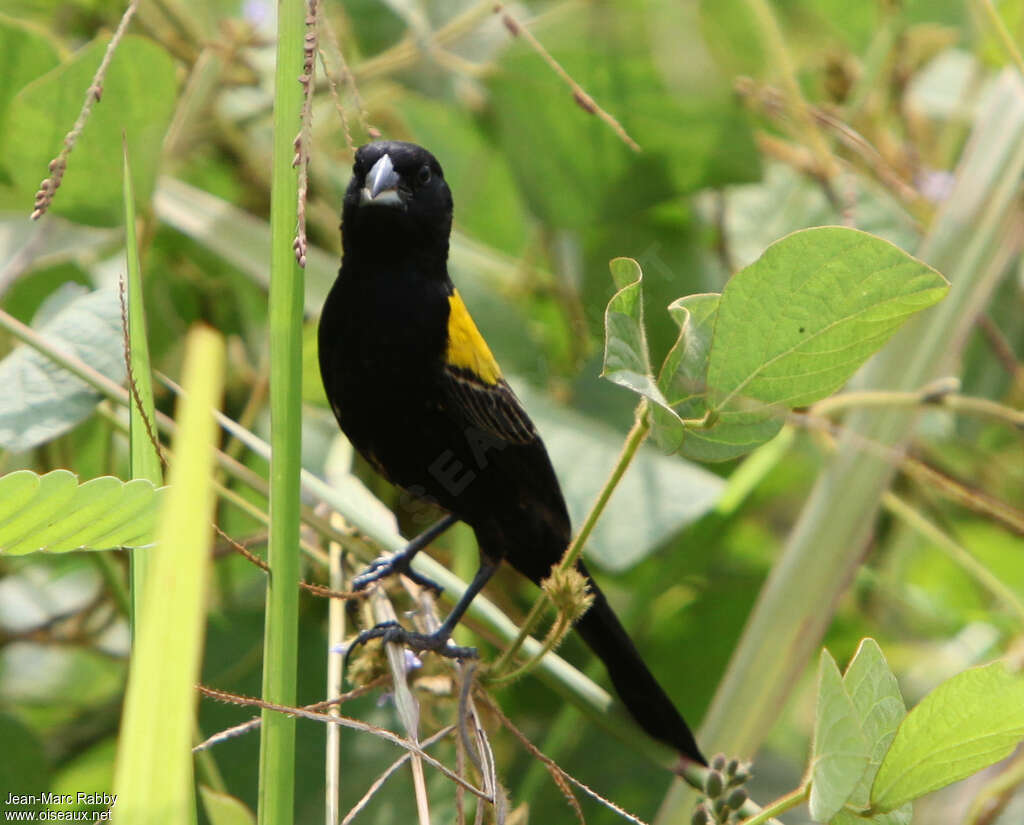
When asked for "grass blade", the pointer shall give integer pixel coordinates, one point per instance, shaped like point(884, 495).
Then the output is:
point(153, 775)
point(144, 460)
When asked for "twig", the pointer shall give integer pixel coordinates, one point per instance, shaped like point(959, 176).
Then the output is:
point(304, 138)
point(347, 722)
point(350, 79)
point(132, 386)
point(553, 766)
point(380, 780)
point(48, 188)
point(959, 554)
point(583, 100)
point(254, 723)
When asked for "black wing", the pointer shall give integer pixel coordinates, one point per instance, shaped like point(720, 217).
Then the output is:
point(493, 408)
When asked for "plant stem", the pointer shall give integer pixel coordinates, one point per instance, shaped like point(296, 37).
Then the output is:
point(959, 554)
point(280, 661)
point(780, 805)
point(637, 434)
point(776, 45)
point(953, 401)
point(1004, 36)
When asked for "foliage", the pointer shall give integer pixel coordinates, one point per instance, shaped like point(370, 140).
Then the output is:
point(808, 169)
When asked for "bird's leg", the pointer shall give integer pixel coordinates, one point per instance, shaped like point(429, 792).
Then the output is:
point(400, 561)
point(438, 640)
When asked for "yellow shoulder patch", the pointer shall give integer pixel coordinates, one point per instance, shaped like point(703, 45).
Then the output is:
point(467, 348)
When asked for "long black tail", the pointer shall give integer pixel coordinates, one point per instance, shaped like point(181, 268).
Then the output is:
point(639, 691)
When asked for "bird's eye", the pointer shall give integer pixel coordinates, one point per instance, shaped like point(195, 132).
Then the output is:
point(424, 174)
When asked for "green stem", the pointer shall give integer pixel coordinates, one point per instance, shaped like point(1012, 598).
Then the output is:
point(280, 643)
point(768, 24)
point(636, 436)
point(959, 554)
point(969, 405)
point(780, 806)
point(994, 795)
point(113, 579)
point(1002, 33)
point(554, 638)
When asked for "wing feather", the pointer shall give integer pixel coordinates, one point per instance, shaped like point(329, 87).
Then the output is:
point(493, 408)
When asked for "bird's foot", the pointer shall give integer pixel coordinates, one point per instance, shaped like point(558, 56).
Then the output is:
point(390, 566)
point(394, 632)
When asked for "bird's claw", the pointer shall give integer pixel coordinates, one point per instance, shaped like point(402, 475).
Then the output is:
point(384, 567)
point(394, 632)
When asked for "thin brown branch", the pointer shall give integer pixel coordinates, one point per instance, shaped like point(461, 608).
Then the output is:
point(303, 141)
point(254, 723)
point(553, 766)
point(347, 722)
point(48, 188)
point(579, 94)
point(132, 386)
point(350, 80)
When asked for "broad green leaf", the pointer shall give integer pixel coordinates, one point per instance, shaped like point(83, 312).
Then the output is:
point(153, 776)
point(840, 754)
point(56, 514)
point(627, 361)
point(797, 323)
point(50, 400)
point(572, 168)
point(224, 809)
point(969, 722)
point(138, 98)
point(682, 376)
point(22, 249)
point(879, 704)
point(25, 54)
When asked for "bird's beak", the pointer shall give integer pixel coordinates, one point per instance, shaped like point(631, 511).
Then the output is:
point(382, 184)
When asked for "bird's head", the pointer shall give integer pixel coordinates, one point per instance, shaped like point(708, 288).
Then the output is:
point(397, 196)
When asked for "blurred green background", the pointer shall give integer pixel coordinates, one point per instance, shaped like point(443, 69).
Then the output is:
point(545, 194)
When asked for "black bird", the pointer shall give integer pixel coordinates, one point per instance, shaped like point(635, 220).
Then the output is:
point(418, 393)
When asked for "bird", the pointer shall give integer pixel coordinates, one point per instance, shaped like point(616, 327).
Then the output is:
point(417, 391)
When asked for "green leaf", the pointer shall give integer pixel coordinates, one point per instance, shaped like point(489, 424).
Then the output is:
point(797, 323)
point(572, 168)
point(879, 704)
point(840, 753)
point(138, 98)
point(153, 777)
point(143, 452)
point(145, 462)
point(25, 54)
point(880, 710)
point(51, 400)
point(627, 361)
point(967, 723)
point(682, 376)
point(56, 514)
point(224, 809)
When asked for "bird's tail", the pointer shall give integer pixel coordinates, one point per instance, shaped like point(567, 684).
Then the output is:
point(639, 691)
